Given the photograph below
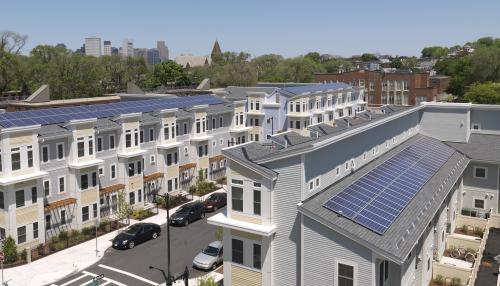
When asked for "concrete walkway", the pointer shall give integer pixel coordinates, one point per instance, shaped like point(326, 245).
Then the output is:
point(59, 265)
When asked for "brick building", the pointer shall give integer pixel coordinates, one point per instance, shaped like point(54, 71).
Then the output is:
point(399, 87)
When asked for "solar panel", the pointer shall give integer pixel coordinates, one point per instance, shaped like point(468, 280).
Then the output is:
point(63, 114)
point(316, 87)
point(376, 199)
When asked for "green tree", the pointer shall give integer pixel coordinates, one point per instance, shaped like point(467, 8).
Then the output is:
point(485, 64)
point(396, 63)
point(124, 208)
point(298, 69)
point(483, 93)
point(434, 52)
point(10, 249)
point(366, 57)
point(11, 44)
point(266, 67)
point(313, 56)
point(169, 73)
point(337, 65)
point(239, 74)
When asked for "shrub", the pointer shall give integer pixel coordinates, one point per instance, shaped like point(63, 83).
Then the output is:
point(10, 249)
point(63, 235)
point(206, 281)
point(456, 281)
point(465, 228)
point(160, 201)
point(87, 231)
point(103, 224)
point(439, 280)
point(221, 181)
point(478, 231)
point(24, 254)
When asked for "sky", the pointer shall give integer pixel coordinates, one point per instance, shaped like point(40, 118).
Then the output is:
point(289, 28)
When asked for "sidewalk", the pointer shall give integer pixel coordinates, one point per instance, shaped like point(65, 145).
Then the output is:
point(193, 281)
point(72, 260)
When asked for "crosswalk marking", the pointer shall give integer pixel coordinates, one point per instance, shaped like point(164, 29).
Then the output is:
point(76, 279)
point(129, 274)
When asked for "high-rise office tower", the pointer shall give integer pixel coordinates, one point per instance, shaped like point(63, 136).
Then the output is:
point(162, 50)
point(128, 48)
point(107, 48)
point(93, 46)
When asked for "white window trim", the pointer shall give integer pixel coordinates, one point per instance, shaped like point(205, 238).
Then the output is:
point(103, 173)
point(111, 172)
point(59, 185)
point(102, 144)
point(43, 187)
point(186, 151)
point(152, 159)
point(474, 203)
point(48, 156)
point(478, 126)
point(154, 134)
point(485, 172)
point(57, 151)
point(114, 141)
point(346, 262)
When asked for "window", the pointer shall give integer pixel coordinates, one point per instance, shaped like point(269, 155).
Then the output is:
point(480, 172)
point(30, 156)
point(237, 198)
point(364, 156)
point(0, 160)
point(141, 136)
point(47, 222)
point(60, 151)
point(85, 213)
point(63, 217)
point(337, 171)
point(131, 198)
point(479, 203)
point(101, 171)
point(35, 230)
point(257, 263)
point(62, 188)
point(15, 159)
point(152, 159)
point(345, 275)
point(139, 167)
point(221, 122)
point(91, 145)
point(94, 179)
point(111, 141)
point(94, 210)
point(113, 171)
point(238, 182)
point(256, 202)
point(84, 182)
point(185, 127)
point(46, 188)
point(383, 272)
point(151, 134)
point(311, 185)
point(476, 126)
point(99, 144)
point(19, 198)
point(21, 234)
point(186, 151)
point(2, 201)
point(428, 264)
point(128, 138)
point(214, 121)
point(34, 195)
point(169, 186)
point(139, 197)
point(237, 251)
point(131, 171)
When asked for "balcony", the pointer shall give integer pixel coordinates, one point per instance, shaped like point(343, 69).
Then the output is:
point(240, 128)
point(85, 164)
point(21, 178)
point(222, 220)
point(131, 153)
point(169, 145)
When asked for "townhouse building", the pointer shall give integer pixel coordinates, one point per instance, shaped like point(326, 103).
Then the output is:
point(271, 110)
point(369, 201)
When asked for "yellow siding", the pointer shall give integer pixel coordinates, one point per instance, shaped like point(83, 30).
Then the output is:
point(200, 115)
point(245, 218)
point(238, 170)
point(3, 215)
point(240, 109)
point(25, 184)
point(22, 138)
point(89, 196)
point(247, 235)
point(172, 171)
point(245, 277)
point(26, 215)
point(130, 124)
point(135, 183)
point(85, 130)
point(204, 163)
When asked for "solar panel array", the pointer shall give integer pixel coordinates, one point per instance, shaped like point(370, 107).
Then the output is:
point(64, 114)
point(315, 87)
point(376, 199)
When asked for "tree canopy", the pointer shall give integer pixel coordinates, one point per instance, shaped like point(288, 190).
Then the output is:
point(434, 52)
point(483, 93)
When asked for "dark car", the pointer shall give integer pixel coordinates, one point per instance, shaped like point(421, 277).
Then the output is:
point(215, 201)
point(188, 213)
point(136, 234)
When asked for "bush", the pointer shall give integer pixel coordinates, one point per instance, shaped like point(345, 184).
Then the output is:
point(456, 281)
point(478, 231)
point(141, 214)
point(221, 181)
point(24, 254)
point(88, 231)
point(439, 280)
point(63, 235)
point(10, 249)
point(206, 281)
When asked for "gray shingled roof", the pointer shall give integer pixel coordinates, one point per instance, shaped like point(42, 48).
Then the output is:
point(147, 118)
point(220, 108)
point(396, 243)
point(291, 138)
point(481, 147)
point(183, 114)
point(246, 153)
point(106, 124)
point(52, 131)
point(240, 92)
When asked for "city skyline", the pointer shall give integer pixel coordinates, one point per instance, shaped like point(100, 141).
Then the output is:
point(405, 30)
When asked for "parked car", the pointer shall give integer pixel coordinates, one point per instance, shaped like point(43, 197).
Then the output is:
point(215, 201)
point(136, 234)
point(210, 257)
point(188, 213)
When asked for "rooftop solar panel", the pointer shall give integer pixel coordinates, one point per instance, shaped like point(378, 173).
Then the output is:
point(315, 87)
point(63, 114)
point(376, 199)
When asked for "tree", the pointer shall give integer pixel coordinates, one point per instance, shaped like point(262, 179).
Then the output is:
point(337, 65)
point(485, 64)
point(313, 56)
point(434, 52)
point(368, 57)
point(169, 73)
point(298, 69)
point(266, 67)
point(483, 93)
point(124, 208)
point(206, 281)
point(239, 74)
point(11, 44)
point(10, 249)
point(396, 63)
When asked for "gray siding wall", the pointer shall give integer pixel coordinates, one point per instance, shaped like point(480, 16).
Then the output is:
point(491, 181)
point(487, 119)
point(53, 162)
point(446, 124)
point(484, 189)
point(323, 163)
point(324, 248)
point(286, 244)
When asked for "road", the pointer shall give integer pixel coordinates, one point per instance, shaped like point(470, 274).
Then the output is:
point(131, 266)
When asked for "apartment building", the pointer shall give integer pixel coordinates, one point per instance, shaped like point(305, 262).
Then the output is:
point(397, 88)
point(367, 202)
point(63, 169)
point(271, 110)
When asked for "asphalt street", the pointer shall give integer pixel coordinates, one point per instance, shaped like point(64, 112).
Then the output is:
point(131, 266)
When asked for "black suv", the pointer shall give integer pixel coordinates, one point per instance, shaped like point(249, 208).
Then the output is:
point(188, 213)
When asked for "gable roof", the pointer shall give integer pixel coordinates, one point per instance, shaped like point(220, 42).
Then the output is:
point(481, 147)
point(400, 238)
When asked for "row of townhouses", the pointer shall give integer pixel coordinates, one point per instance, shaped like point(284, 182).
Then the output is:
point(369, 201)
point(64, 168)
